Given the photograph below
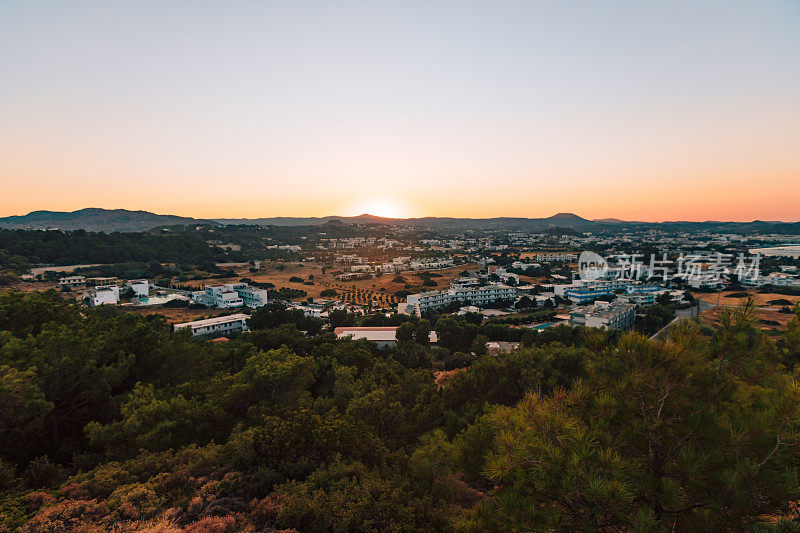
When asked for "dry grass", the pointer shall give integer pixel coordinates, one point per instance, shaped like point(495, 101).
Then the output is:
point(762, 300)
point(176, 315)
point(379, 288)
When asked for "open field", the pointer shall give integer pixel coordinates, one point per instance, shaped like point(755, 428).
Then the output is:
point(768, 314)
point(28, 286)
point(175, 315)
point(380, 288)
point(728, 298)
point(773, 322)
point(65, 269)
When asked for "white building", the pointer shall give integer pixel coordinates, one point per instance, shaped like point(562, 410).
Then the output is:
point(478, 296)
point(524, 266)
point(426, 264)
point(140, 287)
point(603, 315)
point(791, 250)
point(382, 336)
point(229, 295)
point(705, 282)
point(776, 279)
point(251, 296)
point(104, 295)
point(556, 257)
point(221, 325)
point(72, 282)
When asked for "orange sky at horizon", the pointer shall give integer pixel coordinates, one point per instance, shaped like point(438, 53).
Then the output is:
point(638, 111)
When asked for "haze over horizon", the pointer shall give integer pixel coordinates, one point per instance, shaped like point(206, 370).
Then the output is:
point(636, 111)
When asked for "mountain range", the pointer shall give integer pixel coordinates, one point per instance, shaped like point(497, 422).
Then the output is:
point(110, 220)
point(96, 219)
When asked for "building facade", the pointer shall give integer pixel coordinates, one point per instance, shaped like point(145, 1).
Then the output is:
point(140, 288)
point(221, 325)
point(472, 295)
point(228, 295)
point(72, 282)
point(104, 296)
point(604, 315)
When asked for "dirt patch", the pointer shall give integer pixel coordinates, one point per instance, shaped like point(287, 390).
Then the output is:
point(176, 315)
point(443, 376)
point(734, 298)
point(772, 322)
point(378, 289)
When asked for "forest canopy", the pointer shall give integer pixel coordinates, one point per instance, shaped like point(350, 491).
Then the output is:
point(111, 420)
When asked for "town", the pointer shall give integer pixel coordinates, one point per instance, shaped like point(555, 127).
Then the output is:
point(524, 280)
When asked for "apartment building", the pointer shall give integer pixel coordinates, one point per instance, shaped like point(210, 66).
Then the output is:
point(140, 287)
point(472, 295)
point(104, 296)
point(227, 295)
point(71, 282)
point(102, 282)
point(221, 325)
point(380, 335)
point(603, 315)
point(641, 295)
point(556, 257)
point(776, 279)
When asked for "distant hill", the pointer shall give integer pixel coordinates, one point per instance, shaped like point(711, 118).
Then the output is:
point(567, 220)
point(95, 219)
point(110, 220)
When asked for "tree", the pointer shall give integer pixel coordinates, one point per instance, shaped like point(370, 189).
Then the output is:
point(454, 333)
point(406, 332)
point(657, 436)
point(478, 346)
point(524, 303)
point(422, 333)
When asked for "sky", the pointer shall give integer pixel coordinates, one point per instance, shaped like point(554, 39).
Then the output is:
point(639, 110)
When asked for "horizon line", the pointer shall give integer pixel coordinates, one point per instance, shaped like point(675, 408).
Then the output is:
point(601, 219)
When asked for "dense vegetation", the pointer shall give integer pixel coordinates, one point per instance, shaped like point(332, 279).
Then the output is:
point(111, 421)
point(78, 247)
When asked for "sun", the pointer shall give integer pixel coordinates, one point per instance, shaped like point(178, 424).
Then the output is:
point(381, 207)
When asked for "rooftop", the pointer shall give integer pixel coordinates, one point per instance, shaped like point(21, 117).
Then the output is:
point(211, 321)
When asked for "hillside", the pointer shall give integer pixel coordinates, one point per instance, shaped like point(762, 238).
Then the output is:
point(122, 220)
point(567, 220)
point(95, 219)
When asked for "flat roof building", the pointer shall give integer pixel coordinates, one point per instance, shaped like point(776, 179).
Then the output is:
point(140, 287)
point(472, 295)
point(221, 325)
point(228, 295)
point(603, 315)
point(104, 295)
point(72, 282)
point(382, 336)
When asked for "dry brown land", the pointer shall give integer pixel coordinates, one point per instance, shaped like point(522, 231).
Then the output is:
point(770, 319)
point(772, 322)
point(380, 288)
point(762, 300)
point(175, 315)
point(28, 286)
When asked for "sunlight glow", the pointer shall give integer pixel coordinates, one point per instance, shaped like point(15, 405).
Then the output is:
point(381, 207)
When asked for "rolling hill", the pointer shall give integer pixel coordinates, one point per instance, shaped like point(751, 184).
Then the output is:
point(95, 219)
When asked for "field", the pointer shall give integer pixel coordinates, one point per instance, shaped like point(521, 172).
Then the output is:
point(769, 316)
point(379, 288)
point(729, 298)
point(31, 286)
point(176, 315)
